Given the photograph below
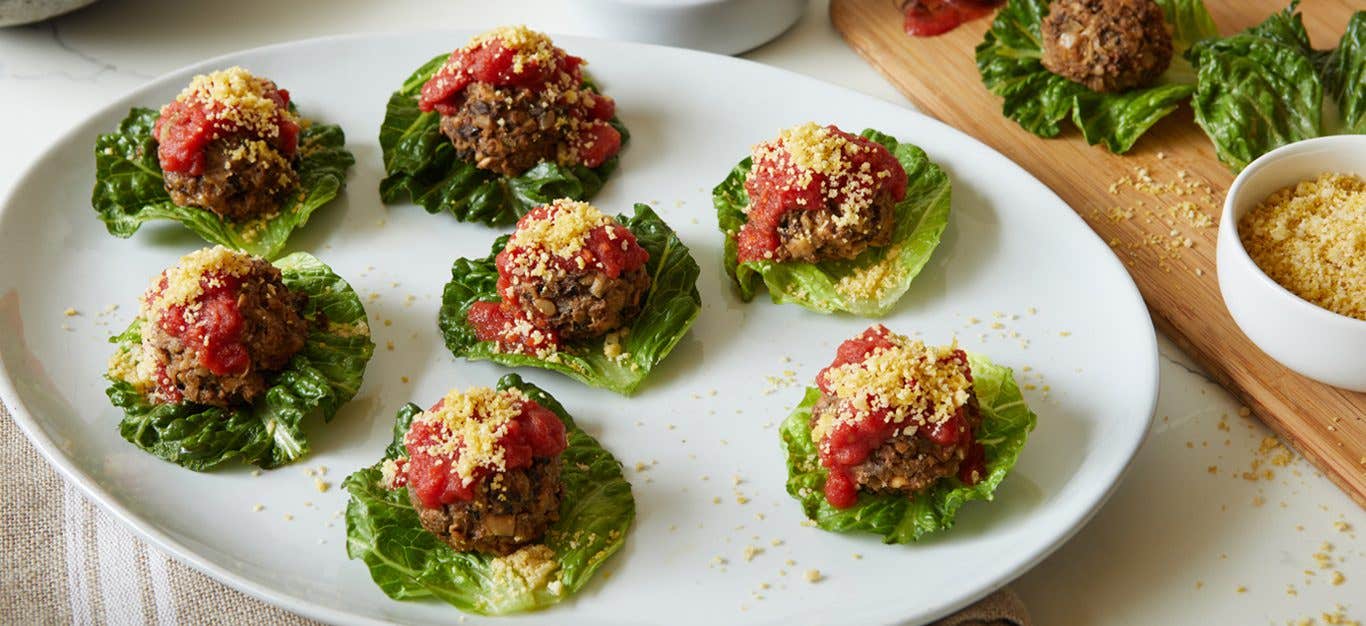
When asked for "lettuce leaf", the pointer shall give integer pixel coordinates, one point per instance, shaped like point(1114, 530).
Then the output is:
point(1006, 423)
point(1345, 75)
point(130, 188)
point(1258, 89)
point(1010, 62)
point(320, 378)
point(408, 563)
point(1264, 87)
point(420, 164)
point(920, 220)
point(671, 306)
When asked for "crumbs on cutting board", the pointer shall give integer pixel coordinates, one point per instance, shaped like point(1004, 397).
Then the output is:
point(1170, 211)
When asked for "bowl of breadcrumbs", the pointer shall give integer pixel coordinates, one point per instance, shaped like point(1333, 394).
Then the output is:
point(1292, 257)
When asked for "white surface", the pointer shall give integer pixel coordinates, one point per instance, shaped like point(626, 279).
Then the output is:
point(1311, 340)
point(722, 26)
point(1103, 375)
point(1171, 525)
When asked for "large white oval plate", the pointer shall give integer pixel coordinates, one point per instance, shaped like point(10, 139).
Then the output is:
point(702, 420)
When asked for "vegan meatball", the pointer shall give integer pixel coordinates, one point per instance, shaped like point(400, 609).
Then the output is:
point(511, 99)
point(567, 273)
point(502, 515)
point(228, 143)
point(895, 416)
point(216, 326)
point(833, 232)
point(243, 178)
point(504, 130)
point(818, 194)
point(483, 470)
point(1106, 45)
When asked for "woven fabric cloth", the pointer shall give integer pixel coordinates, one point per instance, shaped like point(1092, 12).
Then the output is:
point(64, 560)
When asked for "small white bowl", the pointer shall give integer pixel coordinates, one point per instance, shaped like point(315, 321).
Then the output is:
point(721, 26)
point(1309, 339)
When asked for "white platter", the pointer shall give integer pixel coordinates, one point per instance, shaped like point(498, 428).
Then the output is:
point(1011, 247)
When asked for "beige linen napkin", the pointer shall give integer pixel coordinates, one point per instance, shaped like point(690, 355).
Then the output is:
point(64, 560)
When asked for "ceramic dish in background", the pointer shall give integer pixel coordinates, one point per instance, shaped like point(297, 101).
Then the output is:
point(1311, 340)
point(721, 26)
point(15, 12)
point(707, 415)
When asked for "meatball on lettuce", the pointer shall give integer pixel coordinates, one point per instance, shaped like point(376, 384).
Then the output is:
point(229, 158)
point(497, 127)
point(493, 501)
point(1112, 66)
point(1110, 46)
point(229, 353)
point(897, 435)
point(599, 299)
point(831, 221)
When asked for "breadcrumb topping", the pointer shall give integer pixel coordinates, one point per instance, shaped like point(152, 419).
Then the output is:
point(803, 152)
point(874, 280)
point(185, 282)
point(1311, 239)
point(908, 383)
point(237, 96)
point(528, 46)
point(473, 423)
point(531, 567)
point(564, 230)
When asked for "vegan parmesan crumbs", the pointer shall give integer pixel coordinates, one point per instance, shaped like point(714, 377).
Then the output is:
point(474, 422)
point(874, 280)
point(236, 96)
point(527, 46)
point(563, 231)
point(1311, 239)
point(802, 152)
point(910, 381)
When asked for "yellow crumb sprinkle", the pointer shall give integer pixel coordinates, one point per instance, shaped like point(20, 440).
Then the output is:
point(910, 380)
point(1311, 239)
point(237, 96)
point(527, 45)
point(183, 281)
point(564, 232)
point(475, 421)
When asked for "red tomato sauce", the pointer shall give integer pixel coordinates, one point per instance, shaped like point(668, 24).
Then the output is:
point(185, 129)
point(850, 443)
point(927, 18)
point(774, 189)
point(610, 249)
point(499, 322)
point(211, 325)
point(535, 433)
point(491, 62)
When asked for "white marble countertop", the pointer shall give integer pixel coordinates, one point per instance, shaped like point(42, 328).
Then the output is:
point(1207, 527)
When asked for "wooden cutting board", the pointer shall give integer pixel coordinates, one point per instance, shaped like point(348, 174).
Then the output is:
point(1157, 206)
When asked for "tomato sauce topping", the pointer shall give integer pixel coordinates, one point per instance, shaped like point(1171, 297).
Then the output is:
point(210, 324)
point(927, 18)
point(226, 102)
point(867, 419)
point(517, 57)
point(563, 238)
point(810, 167)
point(486, 432)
